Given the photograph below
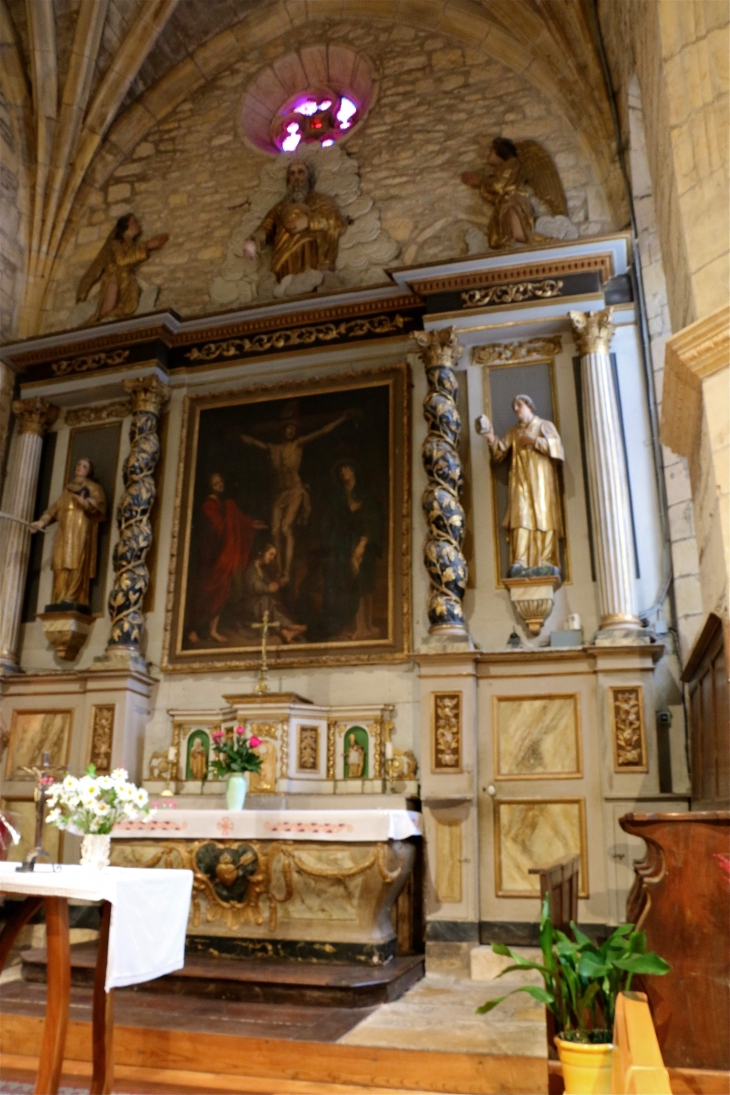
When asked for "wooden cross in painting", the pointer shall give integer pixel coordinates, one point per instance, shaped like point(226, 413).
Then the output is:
point(262, 684)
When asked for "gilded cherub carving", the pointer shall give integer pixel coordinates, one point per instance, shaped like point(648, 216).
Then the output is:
point(524, 190)
point(116, 265)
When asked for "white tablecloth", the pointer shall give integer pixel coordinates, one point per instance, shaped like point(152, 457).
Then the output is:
point(340, 825)
point(149, 912)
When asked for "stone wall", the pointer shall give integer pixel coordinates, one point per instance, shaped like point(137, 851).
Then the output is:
point(679, 52)
point(438, 105)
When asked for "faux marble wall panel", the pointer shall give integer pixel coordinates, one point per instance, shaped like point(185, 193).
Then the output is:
point(34, 732)
point(531, 833)
point(448, 860)
point(537, 737)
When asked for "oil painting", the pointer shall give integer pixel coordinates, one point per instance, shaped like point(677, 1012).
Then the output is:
point(292, 519)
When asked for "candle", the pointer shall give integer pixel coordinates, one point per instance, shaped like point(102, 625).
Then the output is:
point(389, 750)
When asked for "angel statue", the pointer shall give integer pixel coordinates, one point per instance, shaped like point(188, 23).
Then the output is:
point(304, 227)
point(526, 195)
point(116, 264)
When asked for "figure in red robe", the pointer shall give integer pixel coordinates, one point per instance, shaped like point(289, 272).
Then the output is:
point(225, 541)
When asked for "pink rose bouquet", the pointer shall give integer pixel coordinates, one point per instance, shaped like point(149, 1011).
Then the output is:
point(234, 752)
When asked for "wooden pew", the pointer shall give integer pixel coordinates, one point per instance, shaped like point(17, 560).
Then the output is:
point(559, 881)
point(638, 1068)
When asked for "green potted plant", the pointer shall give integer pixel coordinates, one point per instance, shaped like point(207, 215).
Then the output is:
point(235, 754)
point(581, 983)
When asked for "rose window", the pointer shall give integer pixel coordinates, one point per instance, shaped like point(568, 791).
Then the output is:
point(316, 117)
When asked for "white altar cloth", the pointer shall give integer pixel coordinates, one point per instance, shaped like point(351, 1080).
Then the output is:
point(340, 825)
point(149, 912)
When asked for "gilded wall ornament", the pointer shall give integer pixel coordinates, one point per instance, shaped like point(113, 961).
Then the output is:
point(512, 293)
point(629, 737)
point(90, 362)
point(308, 750)
point(105, 412)
point(131, 576)
point(443, 557)
point(34, 415)
point(446, 731)
point(102, 737)
point(525, 352)
point(298, 336)
point(593, 331)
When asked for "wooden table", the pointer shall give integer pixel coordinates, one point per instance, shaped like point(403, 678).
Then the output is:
point(130, 890)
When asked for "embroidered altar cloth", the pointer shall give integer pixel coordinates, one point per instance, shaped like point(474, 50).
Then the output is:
point(149, 912)
point(340, 825)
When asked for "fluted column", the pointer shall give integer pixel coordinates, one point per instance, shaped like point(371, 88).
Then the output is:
point(34, 417)
point(608, 480)
point(131, 576)
point(442, 554)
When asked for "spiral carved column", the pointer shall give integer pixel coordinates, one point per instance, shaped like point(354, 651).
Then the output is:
point(34, 418)
point(442, 554)
point(131, 576)
point(608, 480)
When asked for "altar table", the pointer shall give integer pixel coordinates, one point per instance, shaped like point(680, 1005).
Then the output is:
point(310, 884)
point(141, 937)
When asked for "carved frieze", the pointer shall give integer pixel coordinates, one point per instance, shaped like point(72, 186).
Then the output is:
point(298, 336)
point(446, 731)
point(89, 362)
point(524, 352)
point(629, 735)
point(103, 412)
point(514, 292)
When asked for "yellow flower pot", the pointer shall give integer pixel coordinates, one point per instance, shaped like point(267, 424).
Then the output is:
point(586, 1068)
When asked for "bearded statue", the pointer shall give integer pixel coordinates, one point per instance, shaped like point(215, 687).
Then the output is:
point(304, 227)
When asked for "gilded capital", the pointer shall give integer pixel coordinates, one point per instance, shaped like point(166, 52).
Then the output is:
point(592, 331)
point(438, 347)
point(34, 415)
point(148, 393)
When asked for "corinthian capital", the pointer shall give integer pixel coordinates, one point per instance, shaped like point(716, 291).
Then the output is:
point(438, 347)
point(592, 331)
point(148, 393)
point(34, 415)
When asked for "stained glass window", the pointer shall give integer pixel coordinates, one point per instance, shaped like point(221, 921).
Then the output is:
point(319, 116)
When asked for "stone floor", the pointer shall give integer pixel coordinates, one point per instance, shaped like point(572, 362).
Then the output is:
point(439, 1013)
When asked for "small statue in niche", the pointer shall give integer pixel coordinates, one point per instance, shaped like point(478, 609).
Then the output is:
point(198, 759)
point(534, 517)
point(78, 510)
point(526, 194)
point(116, 264)
point(304, 227)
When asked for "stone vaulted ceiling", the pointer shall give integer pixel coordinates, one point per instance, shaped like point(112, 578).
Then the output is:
point(84, 80)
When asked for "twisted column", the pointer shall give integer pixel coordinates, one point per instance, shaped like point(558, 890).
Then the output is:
point(444, 515)
point(608, 480)
point(131, 576)
point(34, 417)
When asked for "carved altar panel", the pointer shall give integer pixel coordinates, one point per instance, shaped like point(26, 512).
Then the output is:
point(102, 737)
point(537, 737)
point(534, 833)
point(629, 733)
point(446, 732)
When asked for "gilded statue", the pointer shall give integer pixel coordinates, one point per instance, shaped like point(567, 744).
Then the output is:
point(198, 760)
point(524, 190)
point(534, 517)
point(78, 510)
point(304, 227)
point(116, 265)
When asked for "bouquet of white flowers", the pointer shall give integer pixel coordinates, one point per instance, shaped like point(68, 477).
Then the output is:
point(94, 804)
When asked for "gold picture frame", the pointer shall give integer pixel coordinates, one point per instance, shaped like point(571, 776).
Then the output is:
point(573, 773)
point(503, 890)
point(392, 646)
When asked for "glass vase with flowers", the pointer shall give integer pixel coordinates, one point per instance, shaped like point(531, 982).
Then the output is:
point(235, 754)
point(91, 806)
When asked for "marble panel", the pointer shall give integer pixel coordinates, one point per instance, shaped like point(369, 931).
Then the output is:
point(34, 732)
point(448, 860)
point(534, 833)
point(537, 737)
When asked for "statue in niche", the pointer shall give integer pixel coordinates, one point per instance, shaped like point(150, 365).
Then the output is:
point(116, 265)
point(524, 190)
point(198, 744)
point(534, 517)
point(304, 227)
point(356, 751)
point(78, 511)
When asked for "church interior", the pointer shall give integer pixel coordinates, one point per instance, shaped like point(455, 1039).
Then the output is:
point(364, 546)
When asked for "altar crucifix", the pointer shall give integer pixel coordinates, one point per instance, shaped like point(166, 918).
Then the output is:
point(262, 684)
point(45, 777)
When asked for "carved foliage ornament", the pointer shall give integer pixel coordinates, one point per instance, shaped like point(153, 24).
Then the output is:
point(105, 412)
point(446, 731)
point(34, 415)
point(593, 331)
point(628, 729)
point(513, 293)
point(443, 557)
point(507, 353)
point(297, 336)
point(308, 758)
point(102, 734)
point(90, 362)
